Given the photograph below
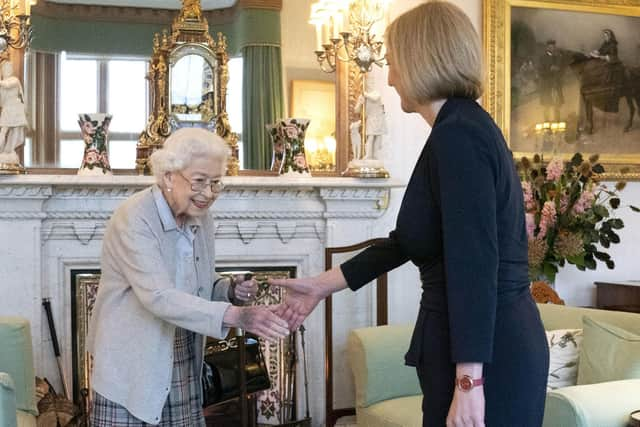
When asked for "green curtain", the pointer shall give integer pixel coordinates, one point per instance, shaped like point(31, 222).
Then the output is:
point(262, 100)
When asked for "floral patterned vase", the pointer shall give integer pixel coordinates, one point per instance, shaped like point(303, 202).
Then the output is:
point(95, 130)
point(288, 146)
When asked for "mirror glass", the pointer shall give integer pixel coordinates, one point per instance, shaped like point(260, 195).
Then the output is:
point(192, 91)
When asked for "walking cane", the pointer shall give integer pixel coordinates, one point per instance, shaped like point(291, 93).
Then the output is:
point(56, 347)
point(242, 372)
point(306, 381)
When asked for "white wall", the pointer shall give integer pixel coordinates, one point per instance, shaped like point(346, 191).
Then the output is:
point(402, 145)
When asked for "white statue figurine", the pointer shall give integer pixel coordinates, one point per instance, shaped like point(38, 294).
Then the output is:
point(375, 118)
point(13, 119)
point(356, 139)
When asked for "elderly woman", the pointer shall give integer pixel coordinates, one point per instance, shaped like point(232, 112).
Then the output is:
point(159, 296)
point(478, 346)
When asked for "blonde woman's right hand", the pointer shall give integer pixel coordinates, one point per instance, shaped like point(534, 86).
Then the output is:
point(259, 320)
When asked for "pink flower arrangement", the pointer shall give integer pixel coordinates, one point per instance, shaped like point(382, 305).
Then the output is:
point(568, 214)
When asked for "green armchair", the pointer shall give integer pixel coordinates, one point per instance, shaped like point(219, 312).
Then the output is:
point(17, 378)
point(388, 394)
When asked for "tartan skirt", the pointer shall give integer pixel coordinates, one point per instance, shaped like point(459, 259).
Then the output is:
point(182, 408)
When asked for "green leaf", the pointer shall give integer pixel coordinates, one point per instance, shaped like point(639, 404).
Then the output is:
point(602, 256)
point(610, 264)
point(615, 203)
point(616, 223)
point(601, 211)
point(604, 241)
point(576, 260)
point(597, 168)
point(613, 237)
point(633, 208)
point(550, 271)
point(590, 263)
point(576, 160)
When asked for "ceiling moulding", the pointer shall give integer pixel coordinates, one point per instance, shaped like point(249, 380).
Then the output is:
point(144, 15)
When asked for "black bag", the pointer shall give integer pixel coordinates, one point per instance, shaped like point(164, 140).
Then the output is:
point(220, 376)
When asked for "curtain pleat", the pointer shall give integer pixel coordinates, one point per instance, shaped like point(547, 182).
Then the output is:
point(263, 102)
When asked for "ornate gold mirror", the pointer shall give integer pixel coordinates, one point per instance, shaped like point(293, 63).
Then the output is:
point(188, 78)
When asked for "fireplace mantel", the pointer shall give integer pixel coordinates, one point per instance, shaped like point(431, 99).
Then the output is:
point(53, 224)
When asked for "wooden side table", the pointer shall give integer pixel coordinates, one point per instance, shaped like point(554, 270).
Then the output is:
point(620, 296)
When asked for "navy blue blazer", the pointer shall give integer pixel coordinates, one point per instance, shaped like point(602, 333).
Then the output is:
point(462, 224)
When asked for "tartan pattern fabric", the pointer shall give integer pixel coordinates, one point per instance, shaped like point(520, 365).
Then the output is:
point(182, 408)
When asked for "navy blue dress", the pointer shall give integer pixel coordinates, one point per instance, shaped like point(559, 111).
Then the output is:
point(462, 224)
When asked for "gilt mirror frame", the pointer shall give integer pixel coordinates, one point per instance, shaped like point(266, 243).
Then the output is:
point(189, 34)
point(497, 99)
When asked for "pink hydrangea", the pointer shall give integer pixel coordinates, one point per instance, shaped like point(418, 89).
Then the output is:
point(547, 218)
point(554, 169)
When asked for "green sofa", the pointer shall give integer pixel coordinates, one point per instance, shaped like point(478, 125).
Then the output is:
point(17, 378)
point(388, 394)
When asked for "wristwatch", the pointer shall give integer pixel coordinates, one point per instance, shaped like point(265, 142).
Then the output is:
point(466, 383)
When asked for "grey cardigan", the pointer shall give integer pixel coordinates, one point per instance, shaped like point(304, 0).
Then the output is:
point(138, 306)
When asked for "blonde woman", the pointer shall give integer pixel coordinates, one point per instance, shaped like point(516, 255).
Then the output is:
point(478, 346)
point(158, 295)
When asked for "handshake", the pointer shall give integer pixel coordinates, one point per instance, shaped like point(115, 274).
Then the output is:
point(274, 322)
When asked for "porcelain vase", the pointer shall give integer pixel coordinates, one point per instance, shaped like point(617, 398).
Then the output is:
point(95, 132)
point(289, 157)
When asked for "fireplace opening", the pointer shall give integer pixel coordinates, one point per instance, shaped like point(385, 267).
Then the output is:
point(274, 406)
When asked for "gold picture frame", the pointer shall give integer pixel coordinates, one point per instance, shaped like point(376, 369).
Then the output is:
point(506, 26)
point(85, 292)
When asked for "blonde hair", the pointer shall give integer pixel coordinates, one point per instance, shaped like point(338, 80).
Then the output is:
point(182, 147)
point(437, 52)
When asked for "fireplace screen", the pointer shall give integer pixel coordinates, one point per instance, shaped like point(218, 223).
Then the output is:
point(274, 406)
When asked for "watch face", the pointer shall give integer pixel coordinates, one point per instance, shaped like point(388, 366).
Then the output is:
point(465, 383)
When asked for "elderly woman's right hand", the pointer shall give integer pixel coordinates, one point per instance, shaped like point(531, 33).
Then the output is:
point(259, 320)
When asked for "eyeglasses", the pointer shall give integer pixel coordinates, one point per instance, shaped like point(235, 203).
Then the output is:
point(199, 184)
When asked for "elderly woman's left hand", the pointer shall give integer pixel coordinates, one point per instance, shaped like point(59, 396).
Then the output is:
point(245, 290)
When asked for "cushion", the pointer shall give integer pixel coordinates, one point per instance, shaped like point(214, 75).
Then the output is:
point(7, 401)
point(564, 349)
point(608, 353)
point(16, 359)
point(598, 405)
point(376, 356)
point(399, 412)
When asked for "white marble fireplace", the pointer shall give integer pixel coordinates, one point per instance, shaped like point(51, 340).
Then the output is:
point(51, 225)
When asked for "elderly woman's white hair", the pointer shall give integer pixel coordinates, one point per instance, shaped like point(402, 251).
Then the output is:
point(183, 146)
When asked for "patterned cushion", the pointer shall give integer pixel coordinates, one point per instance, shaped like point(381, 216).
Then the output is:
point(564, 351)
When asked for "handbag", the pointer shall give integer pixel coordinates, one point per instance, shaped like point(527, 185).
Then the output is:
point(220, 370)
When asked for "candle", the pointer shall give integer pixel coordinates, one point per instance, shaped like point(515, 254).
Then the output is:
point(337, 24)
point(318, 36)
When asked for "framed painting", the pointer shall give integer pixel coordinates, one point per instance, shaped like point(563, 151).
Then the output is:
point(564, 77)
point(84, 292)
point(316, 100)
